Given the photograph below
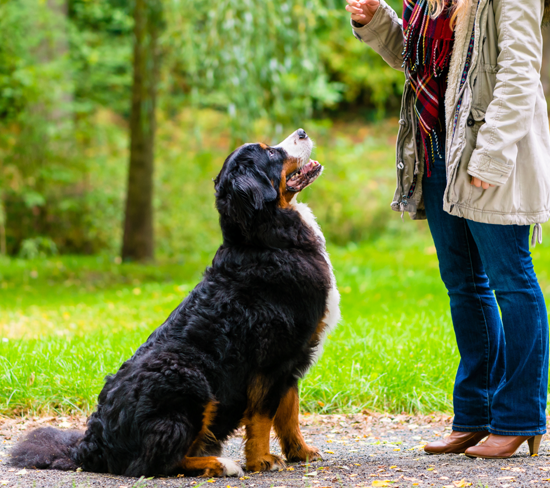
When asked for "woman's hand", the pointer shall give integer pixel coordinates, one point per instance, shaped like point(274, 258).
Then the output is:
point(362, 11)
point(480, 184)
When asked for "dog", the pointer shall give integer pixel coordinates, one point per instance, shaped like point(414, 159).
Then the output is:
point(232, 352)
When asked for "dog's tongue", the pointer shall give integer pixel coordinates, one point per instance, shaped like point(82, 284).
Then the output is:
point(305, 176)
point(309, 166)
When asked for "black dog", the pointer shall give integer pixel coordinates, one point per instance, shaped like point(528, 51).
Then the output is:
point(233, 351)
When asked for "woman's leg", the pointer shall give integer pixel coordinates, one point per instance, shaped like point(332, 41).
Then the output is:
point(519, 404)
point(474, 311)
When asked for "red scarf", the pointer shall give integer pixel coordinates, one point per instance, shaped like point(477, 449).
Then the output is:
point(426, 56)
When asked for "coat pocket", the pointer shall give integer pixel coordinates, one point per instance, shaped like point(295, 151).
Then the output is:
point(483, 90)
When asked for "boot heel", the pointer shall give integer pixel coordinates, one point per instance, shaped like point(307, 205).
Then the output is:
point(534, 444)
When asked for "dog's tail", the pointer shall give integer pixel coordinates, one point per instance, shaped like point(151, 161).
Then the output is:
point(48, 448)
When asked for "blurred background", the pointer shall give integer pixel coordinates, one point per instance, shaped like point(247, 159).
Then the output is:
point(115, 116)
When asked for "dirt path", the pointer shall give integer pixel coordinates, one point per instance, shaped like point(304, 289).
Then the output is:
point(360, 451)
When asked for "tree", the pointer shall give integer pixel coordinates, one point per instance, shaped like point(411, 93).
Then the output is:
point(138, 239)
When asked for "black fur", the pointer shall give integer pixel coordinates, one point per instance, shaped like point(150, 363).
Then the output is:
point(252, 316)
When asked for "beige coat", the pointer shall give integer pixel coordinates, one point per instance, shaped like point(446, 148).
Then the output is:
point(501, 133)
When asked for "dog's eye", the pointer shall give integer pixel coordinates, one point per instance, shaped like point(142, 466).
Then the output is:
point(271, 152)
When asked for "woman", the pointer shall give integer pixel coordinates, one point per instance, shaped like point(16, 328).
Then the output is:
point(473, 157)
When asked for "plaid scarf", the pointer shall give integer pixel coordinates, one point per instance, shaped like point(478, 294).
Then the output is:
point(426, 56)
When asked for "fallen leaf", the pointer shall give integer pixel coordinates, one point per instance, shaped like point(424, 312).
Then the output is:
point(22, 472)
point(290, 469)
point(329, 452)
point(462, 483)
point(382, 483)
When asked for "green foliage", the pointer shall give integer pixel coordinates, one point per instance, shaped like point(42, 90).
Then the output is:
point(37, 247)
point(65, 78)
point(253, 59)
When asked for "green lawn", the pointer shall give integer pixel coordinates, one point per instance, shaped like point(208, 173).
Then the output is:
point(66, 322)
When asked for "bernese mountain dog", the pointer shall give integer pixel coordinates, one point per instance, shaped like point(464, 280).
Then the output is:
point(232, 352)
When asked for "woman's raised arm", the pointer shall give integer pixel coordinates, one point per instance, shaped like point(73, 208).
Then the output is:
point(376, 23)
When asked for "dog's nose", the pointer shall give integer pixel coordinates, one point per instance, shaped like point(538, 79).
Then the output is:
point(302, 134)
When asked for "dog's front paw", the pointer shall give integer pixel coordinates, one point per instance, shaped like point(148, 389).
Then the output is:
point(223, 467)
point(305, 453)
point(230, 468)
point(269, 462)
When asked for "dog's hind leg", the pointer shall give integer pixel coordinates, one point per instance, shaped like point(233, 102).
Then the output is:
point(287, 428)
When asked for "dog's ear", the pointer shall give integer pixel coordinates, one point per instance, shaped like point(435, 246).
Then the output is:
point(249, 189)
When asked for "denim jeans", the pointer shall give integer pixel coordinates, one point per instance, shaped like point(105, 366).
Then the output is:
point(502, 379)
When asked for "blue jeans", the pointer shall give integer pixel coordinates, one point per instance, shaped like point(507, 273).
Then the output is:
point(502, 379)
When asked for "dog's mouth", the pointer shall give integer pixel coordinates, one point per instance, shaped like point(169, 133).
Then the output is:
point(304, 176)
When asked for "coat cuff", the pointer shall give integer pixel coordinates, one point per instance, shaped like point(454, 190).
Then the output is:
point(366, 33)
point(489, 170)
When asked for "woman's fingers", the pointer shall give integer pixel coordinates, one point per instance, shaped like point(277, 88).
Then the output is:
point(355, 10)
point(480, 184)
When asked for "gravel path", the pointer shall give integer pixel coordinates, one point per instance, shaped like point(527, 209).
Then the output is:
point(360, 451)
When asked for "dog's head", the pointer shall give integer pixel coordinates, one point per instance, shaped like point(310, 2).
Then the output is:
point(257, 179)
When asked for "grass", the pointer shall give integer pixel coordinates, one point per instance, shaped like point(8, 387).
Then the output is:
point(66, 322)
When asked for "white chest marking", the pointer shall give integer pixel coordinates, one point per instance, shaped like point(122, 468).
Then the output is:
point(332, 316)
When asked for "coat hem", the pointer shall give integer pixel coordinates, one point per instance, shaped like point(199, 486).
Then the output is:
point(497, 218)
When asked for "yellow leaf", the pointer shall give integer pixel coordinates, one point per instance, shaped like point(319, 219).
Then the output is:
point(329, 452)
point(290, 469)
point(462, 483)
point(397, 449)
point(382, 482)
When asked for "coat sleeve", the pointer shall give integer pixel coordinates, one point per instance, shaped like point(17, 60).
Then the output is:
point(510, 114)
point(384, 33)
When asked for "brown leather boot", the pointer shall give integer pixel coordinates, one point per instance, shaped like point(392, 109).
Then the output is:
point(503, 446)
point(456, 443)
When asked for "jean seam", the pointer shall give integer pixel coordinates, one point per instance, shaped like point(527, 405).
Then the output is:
point(516, 432)
point(488, 343)
point(539, 359)
point(471, 426)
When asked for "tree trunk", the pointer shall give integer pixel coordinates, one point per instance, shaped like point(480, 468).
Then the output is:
point(545, 72)
point(138, 241)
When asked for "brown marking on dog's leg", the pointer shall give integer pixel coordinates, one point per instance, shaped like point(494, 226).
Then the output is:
point(256, 449)
point(319, 330)
point(205, 437)
point(287, 428)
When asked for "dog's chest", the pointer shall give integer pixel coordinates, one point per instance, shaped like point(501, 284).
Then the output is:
point(332, 314)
